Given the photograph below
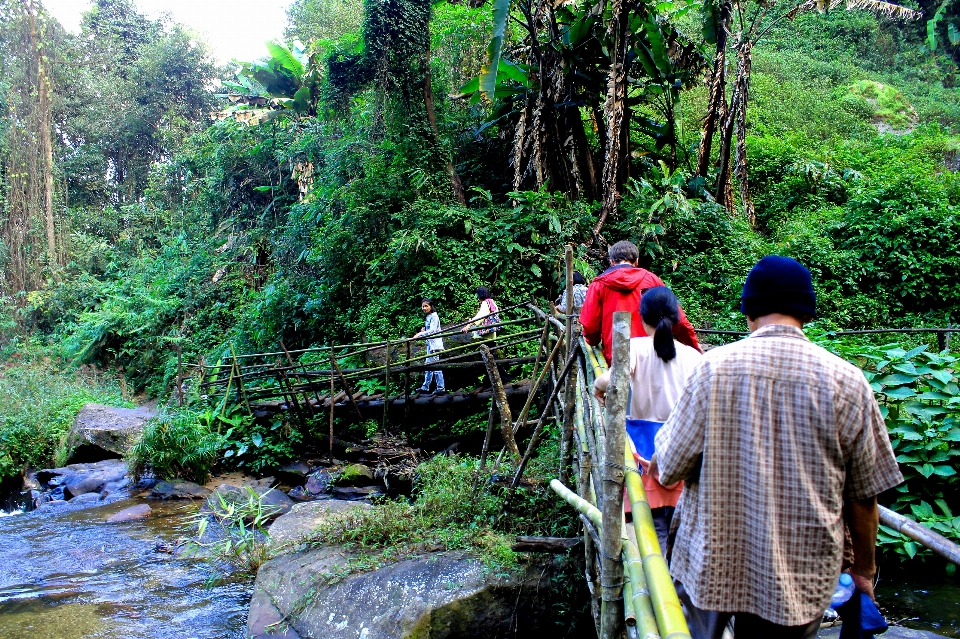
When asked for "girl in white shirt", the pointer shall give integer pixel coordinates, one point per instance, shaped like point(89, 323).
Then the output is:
point(659, 368)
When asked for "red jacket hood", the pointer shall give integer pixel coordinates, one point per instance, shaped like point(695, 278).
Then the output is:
point(627, 278)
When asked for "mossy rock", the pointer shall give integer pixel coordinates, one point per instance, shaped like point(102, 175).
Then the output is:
point(355, 475)
point(881, 103)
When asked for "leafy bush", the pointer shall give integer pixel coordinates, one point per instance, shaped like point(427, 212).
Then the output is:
point(920, 399)
point(177, 445)
point(41, 399)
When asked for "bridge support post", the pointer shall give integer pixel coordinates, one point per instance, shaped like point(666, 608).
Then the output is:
point(611, 576)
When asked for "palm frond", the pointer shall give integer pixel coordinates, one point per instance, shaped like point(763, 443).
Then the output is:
point(888, 9)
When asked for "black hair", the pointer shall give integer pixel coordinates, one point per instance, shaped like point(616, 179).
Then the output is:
point(578, 278)
point(483, 293)
point(427, 300)
point(659, 307)
point(623, 251)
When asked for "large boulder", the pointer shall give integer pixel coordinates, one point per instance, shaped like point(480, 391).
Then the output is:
point(434, 596)
point(304, 518)
point(104, 432)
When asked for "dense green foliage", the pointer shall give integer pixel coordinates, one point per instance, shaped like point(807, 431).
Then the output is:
point(328, 219)
point(41, 398)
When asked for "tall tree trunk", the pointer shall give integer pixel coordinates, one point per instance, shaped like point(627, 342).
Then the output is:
point(43, 91)
point(716, 107)
point(740, 161)
point(617, 114)
point(455, 183)
point(739, 97)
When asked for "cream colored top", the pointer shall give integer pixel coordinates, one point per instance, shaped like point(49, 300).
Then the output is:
point(656, 384)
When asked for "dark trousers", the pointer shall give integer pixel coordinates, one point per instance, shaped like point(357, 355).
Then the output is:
point(708, 624)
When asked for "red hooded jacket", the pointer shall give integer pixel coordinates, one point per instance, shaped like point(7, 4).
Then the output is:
point(619, 289)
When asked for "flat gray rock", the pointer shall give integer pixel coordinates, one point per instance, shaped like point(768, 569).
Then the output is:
point(179, 490)
point(433, 596)
point(133, 513)
point(106, 431)
point(305, 517)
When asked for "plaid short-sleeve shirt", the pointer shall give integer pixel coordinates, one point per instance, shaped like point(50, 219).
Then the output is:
point(770, 434)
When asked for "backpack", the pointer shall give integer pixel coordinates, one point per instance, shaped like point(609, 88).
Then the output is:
point(491, 319)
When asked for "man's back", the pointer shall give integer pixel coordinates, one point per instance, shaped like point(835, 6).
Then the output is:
point(619, 288)
point(771, 433)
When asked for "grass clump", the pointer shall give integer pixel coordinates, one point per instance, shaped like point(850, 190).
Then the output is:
point(177, 444)
point(41, 398)
point(448, 513)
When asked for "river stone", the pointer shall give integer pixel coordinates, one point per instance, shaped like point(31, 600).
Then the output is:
point(133, 513)
point(102, 432)
point(305, 517)
point(91, 478)
point(355, 475)
point(179, 490)
point(275, 502)
point(893, 632)
point(434, 596)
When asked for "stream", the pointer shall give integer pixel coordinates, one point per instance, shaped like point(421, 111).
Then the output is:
point(67, 574)
point(70, 575)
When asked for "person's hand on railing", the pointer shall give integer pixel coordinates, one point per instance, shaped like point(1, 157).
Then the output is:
point(600, 387)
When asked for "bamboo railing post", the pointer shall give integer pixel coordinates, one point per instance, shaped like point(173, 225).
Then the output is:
point(568, 258)
point(535, 437)
point(406, 385)
point(506, 423)
point(346, 386)
point(386, 389)
point(611, 580)
point(333, 391)
point(489, 435)
point(290, 363)
point(241, 392)
point(568, 423)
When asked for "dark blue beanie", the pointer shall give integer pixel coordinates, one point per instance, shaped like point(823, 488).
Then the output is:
point(779, 285)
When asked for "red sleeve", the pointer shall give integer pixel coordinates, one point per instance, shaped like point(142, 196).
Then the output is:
point(591, 317)
point(685, 334)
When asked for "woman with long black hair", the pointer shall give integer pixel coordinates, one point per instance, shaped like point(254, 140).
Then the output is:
point(659, 367)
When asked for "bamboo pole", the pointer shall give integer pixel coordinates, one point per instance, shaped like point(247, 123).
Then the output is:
point(242, 393)
point(663, 595)
point(611, 580)
point(535, 387)
point(921, 534)
point(500, 396)
point(346, 387)
point(534, 438)
point(406, 385)
point(333, 391)
point(386, 388)
point(489, 435)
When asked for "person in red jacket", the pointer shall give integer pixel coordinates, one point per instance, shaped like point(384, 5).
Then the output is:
point(619, 289)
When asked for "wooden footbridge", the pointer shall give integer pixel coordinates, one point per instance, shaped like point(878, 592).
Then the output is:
point(380, 379)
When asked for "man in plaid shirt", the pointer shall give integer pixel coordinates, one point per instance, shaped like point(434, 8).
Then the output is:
point(780, 443)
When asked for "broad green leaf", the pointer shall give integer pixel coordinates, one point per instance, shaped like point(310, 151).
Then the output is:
point(926, 470)
point(536, 270)
point(943, 375)
point(489, 71)
point(906, 367)
point(901, 392)
point(953, 34)
point(915, 351)
point(257, 439)
point(285, 58)
point(944, 508)
point(943, 471)
point(897, 379)
point(923, 510)
point(910, 548)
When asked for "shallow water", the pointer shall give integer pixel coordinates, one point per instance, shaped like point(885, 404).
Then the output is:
point(70, 575)
point(933, 605)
